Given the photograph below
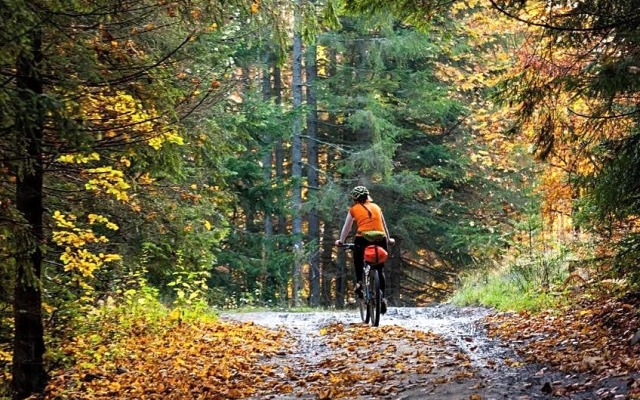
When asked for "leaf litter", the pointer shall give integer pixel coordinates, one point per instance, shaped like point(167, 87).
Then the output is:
point(440, 352)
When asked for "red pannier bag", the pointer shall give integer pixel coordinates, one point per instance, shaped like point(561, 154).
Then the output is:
point(375, 254)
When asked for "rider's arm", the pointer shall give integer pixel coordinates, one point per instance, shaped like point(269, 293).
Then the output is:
point(390, 240)
point(346, 228)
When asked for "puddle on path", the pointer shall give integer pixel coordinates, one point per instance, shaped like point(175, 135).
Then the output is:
point(458, 325)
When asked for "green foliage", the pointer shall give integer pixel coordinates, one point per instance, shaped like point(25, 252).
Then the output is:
point(189, 286)
point(331, 15)
point(614, 187)
point(521, 285)
point(401, 133)
point(541, 271)
point(420, 14)
point(529, 277)
point(501, 293)
point(133, 287)
point(120, 84)
point(255, 271)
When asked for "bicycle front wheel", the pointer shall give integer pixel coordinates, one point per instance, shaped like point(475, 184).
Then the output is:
point(375, 305)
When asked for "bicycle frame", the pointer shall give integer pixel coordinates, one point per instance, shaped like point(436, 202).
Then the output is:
point(370, 303)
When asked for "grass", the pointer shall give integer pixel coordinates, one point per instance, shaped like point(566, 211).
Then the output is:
point(504, 291)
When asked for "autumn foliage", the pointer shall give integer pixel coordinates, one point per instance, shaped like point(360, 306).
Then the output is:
point(167, 359)
point(590, 336)
point(173, 357)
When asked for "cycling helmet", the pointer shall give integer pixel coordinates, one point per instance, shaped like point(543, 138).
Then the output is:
point(359, 191)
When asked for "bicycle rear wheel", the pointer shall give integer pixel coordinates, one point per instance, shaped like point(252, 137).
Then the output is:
point(375, 303)
point(365, 300)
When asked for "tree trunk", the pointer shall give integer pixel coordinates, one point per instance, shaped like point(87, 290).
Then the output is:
point(29, 375)
point(280, 161)
point(341, 279)
point(296, 158)
point(338, 268)
point(328, 265)
point(313, 233)
point(279, 151)
point(272, 285)
point(266, 158)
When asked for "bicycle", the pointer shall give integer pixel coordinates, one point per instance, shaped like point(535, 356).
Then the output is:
point(370, 303)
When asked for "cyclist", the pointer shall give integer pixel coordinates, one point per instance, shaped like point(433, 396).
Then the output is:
point(371, 228)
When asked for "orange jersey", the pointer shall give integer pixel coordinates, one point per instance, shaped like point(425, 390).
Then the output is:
point(367, 220)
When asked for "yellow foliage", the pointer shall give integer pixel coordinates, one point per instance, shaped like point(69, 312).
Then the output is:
point(170, 137)
point(80, 260)
point(93, 218)
point(76, 257)
point(5, 356)
point(109, 181)
point(77, 158)
point(119, 115)
point(145, 179)
point(61, 220)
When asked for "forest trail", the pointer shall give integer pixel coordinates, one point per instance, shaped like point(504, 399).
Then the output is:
point(439, 352)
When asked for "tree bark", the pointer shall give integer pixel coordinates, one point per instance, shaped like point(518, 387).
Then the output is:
point(279, 151)
point(29, 375)
point(296, 159)
point(267, 157)
point(338, 268)
point(313, 219)
point(328, 265)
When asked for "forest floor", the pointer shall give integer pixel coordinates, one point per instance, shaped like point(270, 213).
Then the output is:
point(444, 352)
point(582, 350)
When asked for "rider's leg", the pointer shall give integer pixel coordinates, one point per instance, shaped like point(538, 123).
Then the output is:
point(358, 259)
point(358, 255)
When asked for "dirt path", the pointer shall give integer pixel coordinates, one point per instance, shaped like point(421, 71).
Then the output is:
point(439, 352)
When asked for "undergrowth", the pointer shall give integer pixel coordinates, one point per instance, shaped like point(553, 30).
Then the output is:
point(100, 334)
point(528, 283)
point(497, 290)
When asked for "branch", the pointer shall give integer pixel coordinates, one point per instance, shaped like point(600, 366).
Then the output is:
point(618, 23)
